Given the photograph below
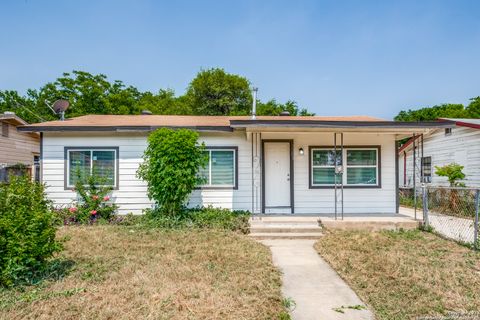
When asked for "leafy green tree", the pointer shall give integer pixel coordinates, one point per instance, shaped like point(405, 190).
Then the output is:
point(273, 108)
point(216, 92)
point(27, 107)
point(453, 172)
point(211, 92)
point(448, 110)
point(172, 160)
point(473, 109)
point(164, 102)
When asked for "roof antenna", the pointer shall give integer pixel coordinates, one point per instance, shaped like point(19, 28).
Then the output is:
point(59, 107)
point(254, 106)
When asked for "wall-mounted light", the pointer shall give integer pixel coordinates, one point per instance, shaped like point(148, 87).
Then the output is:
point(300, 151)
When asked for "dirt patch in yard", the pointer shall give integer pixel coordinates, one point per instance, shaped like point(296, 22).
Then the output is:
point(132, 273)
point(404, 275)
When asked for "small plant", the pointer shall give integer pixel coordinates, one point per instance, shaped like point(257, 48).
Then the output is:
point(27, 231)
point(93, 205)
point(453, 172)
point(206, 217)
point(172, 160)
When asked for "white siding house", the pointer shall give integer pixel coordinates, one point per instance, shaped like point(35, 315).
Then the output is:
point(275, 165)
point(460, 144)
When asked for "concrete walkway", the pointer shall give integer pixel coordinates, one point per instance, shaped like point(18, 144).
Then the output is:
point(314, 286)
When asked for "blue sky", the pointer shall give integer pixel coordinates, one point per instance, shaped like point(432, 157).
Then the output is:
point(333, 57)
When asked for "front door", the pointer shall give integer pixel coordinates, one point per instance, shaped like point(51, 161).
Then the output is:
point(277, 183)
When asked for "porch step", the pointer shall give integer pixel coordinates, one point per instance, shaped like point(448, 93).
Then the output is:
point(285, 235)
point(285, 227)
point(370, 225)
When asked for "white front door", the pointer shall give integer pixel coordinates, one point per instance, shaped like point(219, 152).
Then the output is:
point(277, 177)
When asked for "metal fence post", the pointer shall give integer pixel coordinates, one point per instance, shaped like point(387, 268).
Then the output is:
point(425, 205)
point(476, 245)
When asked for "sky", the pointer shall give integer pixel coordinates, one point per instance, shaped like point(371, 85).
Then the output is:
point(332, 57)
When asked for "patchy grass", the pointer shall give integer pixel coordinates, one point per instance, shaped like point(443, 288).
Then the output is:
point(407, 274)
point(118, 272)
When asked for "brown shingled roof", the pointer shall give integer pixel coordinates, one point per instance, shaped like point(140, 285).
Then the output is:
point(178, 121)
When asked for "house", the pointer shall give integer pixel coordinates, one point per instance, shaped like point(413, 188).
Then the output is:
point(267, 164)
point(459, 144)
point(19, 151)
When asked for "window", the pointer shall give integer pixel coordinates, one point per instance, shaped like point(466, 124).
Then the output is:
point(323, 166)
point(36, 168)
point(5, 129)
point(426, 169)
point(448, 131)
point(83, 162)
point(221, 169)
point(361, 167)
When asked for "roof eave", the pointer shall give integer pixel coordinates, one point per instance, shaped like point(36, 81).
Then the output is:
point(30, 128)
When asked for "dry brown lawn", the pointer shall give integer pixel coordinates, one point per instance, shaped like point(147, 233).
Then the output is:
point(131, 273)
point(404, 275)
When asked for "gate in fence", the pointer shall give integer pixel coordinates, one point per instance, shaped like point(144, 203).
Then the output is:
point(451, 212)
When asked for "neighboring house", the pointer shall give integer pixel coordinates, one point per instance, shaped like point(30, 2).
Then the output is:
point(19, 151)
point(459, 144)
point(271, 164)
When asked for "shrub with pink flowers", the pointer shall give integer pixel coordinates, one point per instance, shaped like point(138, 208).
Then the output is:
point(93, 204)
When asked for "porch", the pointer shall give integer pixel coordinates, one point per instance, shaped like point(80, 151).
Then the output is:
point(311, 226)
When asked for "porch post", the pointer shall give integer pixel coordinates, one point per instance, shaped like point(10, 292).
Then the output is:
point(414, 179)
point(397, 180)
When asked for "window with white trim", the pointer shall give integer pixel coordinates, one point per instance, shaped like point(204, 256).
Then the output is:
point(361, 167)
point(101, 162)
point(220, 170)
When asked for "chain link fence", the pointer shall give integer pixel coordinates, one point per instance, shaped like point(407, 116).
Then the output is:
point(451, 212)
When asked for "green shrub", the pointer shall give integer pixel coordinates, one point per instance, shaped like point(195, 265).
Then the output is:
point(207, 217)
point(94, 203)
point(453, 172)
point(27, 230)
point(171, 163)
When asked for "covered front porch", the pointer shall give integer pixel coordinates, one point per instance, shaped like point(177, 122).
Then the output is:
point(318, 171)
point(311, 226)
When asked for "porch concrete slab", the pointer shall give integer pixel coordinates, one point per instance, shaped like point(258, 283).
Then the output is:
point(314, 286)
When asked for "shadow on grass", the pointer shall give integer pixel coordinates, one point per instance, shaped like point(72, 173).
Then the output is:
point(53, 270)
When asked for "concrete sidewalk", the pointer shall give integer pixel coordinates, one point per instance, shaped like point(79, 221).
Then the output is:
point(314, 286)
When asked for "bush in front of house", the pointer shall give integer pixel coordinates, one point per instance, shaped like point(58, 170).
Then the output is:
point(453, 172)
point(204, 217)
point(93, 205)
point(27, 230)
point(171, 163)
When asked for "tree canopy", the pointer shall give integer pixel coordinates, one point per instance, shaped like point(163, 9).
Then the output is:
point(448, 110)
point(211, 92)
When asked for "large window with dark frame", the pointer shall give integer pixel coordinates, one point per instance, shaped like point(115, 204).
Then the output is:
point(360, 166)
point(220, 170)
point(426, 169)
point(83, 162)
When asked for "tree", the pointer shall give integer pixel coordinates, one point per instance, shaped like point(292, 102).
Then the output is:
point(164, 102)
point(473, 109)
point(273, 108)
point(172, 160)
point(215, 92)
point(447, 110)
point(211, 92)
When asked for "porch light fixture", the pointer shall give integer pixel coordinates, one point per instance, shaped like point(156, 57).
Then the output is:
point(300, 151)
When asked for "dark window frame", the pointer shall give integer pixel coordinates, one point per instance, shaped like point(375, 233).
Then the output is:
point(235, 171)
point(346, 186)
point(5, 129)
point(65, 161)
point(422, 168)
point(448, 132)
